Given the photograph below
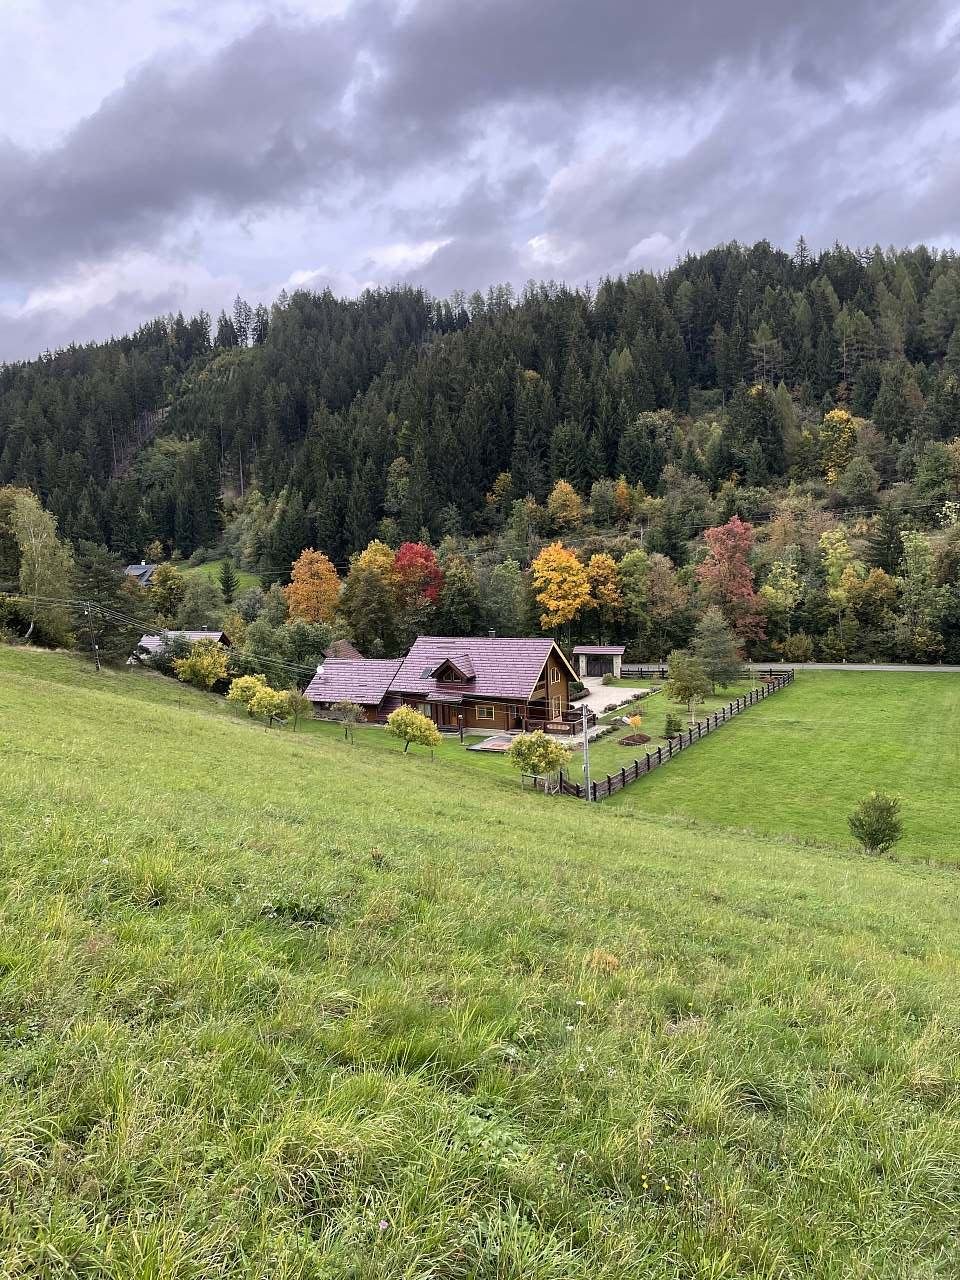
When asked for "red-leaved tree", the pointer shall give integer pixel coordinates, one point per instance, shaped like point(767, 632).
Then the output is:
point(726, 578)
point(418, 575)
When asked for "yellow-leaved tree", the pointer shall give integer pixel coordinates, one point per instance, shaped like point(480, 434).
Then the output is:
point(561, 584)
point(564, 506)
point(604, 588)
point(314, 587)
point(838, 435)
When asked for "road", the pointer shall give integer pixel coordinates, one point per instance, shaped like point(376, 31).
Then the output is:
point(850, 666)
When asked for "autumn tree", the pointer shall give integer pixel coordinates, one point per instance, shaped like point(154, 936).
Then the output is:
point(726, 577)
point(604, 588)
point(413, 727)
point(564, 507)
point(314, 588)
point(298, 705)
point(204, 665)
point(838, 436)
point(562, 586)
point(538, 753)
point(668, 601)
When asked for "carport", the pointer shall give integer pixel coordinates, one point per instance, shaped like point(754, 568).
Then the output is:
point(598, 659)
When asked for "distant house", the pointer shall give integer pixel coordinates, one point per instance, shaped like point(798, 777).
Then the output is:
point(599, 659)
point(342, 649)
point(365, 681)
point(141, 573)
point(153, 643)
point(474, 683)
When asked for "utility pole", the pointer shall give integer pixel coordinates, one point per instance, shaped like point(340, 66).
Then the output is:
point(93, 636)
point(586, 755)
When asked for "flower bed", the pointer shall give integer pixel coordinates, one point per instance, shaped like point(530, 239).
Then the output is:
point(634, 740)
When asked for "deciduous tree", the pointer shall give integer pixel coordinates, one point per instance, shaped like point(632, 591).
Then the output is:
point(537, 753)
point(204, 665)
point(314, 588)
point(413, 727)
point(726, 577)
point(562, 586)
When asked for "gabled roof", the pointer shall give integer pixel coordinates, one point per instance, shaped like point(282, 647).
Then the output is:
point(142, 572)
point(153, 643)
point(342, 649)
point(361, 680)
point(600, 650)
point(457, 664)
point(502, 667)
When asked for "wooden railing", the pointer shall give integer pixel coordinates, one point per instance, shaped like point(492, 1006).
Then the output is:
point(613, 782)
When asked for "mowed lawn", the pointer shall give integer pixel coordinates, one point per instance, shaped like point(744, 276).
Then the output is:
point(211, 570)
point(275, 1005)
point(798, 763)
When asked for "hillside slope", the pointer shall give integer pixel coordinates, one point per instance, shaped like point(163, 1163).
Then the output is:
point(273, 1005)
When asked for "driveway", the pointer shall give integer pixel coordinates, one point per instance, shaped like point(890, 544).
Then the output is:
point(601, 695)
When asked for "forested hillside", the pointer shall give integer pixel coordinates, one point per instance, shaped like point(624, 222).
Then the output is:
point(815, 396)
point(397, 405)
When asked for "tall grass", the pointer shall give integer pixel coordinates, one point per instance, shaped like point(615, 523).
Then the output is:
point(279, 1006)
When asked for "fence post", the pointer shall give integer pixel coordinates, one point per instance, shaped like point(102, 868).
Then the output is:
point(593, 787)
point(669, 748)
point(647, 754)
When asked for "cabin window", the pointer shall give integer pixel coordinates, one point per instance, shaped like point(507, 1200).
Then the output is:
point(486, 713)
point(555, 675)
point(424, 708)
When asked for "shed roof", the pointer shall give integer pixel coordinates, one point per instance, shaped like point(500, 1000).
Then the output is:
point(503, 667)
point(361, 680)
point(600, 650)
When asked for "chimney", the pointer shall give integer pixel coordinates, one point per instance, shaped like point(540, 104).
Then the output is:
point(492, 634)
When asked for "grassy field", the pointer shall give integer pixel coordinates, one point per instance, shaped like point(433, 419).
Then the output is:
point(272, 1005)
point(211, 570)
point(798, 763)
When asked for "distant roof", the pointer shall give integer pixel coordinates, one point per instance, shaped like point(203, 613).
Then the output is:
point(142, 572)
point(502, 667)
point(154, 643)
point(342, 649)
point(600, 650)
point(361, 680)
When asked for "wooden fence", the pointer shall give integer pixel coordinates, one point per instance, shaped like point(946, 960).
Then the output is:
point(613, 782)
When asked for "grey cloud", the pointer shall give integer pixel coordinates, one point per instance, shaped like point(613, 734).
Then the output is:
point(835, 120)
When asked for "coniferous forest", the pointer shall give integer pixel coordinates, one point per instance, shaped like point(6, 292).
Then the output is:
point(814, 397)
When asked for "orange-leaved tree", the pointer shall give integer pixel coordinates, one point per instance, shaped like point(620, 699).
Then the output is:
point(314, 587)
point(561, 584)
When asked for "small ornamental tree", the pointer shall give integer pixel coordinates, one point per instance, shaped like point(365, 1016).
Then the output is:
point(270, 704)
point(204, 665)
point(537, 753)
point(349, 714)
point(688, 682)
point(299, 706)
point(411, 726)
point(875, 822)
point(244, 689)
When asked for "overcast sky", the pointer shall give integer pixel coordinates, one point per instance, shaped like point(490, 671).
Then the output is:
point(158, 156)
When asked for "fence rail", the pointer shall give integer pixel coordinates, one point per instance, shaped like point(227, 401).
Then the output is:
point(614, 782)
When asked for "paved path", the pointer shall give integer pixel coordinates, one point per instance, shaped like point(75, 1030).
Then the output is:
point(850, 666)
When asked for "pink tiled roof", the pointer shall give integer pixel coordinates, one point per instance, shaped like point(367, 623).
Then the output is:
point(154, 643)
point(600, 650)
point(503, 667)
point(342, 649)
point(361, 680)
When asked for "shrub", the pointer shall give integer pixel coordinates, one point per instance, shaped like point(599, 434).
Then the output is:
point(607, 679)
point(671, 725)
point(797, 648)
point(577, 690)
point(244, 689)
point(875, 822)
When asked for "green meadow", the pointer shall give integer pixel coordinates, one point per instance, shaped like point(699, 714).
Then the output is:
point(275, 1005)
